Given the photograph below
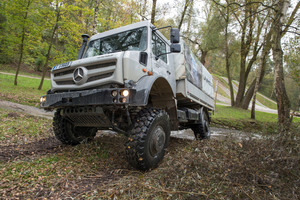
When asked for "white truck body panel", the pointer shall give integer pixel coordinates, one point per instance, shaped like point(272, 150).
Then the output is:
point(193, 79)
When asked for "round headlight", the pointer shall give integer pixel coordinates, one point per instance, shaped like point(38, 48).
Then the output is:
point(114, 93)
point(125, 93)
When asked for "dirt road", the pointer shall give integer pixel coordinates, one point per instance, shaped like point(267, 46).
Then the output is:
point(25, 109)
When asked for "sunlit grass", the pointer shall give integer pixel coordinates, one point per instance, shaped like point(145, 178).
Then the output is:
point(25, 92)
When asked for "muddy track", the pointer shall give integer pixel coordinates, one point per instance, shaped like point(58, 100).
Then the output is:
point(36, 148)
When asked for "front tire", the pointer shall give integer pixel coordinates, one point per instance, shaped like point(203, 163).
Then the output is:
point(69, 134)
point(148, 139)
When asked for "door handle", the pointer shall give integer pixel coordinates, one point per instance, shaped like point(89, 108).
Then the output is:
point(168, 72)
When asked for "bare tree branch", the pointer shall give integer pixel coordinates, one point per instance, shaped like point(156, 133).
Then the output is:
point(291, 19)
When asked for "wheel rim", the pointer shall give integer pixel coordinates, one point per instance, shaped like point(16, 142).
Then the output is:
point(157, 141)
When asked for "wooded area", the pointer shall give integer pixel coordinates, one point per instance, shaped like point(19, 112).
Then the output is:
point(253, 42)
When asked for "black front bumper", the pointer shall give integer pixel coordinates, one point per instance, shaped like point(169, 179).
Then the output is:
point(93, 97)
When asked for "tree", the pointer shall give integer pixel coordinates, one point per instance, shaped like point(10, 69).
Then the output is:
point(57, 14)
point(24, 26)
point(260, 73)
point(96, 9)
point(283, 103)
point(186, 5)
point(153, 11)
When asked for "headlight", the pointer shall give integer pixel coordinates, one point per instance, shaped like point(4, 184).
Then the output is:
point(124, 93)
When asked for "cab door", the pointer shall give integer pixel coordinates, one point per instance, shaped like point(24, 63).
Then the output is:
point(163, 65)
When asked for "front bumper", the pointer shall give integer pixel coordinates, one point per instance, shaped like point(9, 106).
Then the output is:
point(93, 97)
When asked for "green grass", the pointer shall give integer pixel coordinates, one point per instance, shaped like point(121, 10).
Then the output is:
point(266, 102)
point(25, 92)
point(9, 69)
point(259, 97)
point(240, 119)
point(222, 92)
point(221, 80)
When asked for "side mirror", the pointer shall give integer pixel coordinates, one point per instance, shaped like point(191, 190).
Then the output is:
point(174, 35)
point(175, 48)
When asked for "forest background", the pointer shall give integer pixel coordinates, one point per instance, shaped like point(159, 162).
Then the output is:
point(253, 42)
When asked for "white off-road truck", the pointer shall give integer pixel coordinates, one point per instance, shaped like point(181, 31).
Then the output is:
point(134, 81)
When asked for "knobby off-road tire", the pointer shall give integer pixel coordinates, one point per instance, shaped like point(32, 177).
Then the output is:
point(202, 130)
point(148, 139)
point(68, 134)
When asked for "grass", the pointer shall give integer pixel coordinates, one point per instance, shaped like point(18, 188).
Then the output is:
point(240, 119)
point(259, 97)
point(17, 128)
point(221, 80)
point(266, 102)
point(207, 169)
point(10, 69)
point(25, 92)
point(34, 165)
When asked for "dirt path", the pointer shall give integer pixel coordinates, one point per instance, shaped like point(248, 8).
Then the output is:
point(27, 76)
point(25, 109)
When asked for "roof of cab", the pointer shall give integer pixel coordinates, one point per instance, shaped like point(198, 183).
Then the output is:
point(121, 29)
point(126, 28)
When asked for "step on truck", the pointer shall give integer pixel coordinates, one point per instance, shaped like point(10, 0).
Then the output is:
point(136, 82)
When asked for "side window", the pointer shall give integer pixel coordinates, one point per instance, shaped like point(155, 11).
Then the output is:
point(159, 47)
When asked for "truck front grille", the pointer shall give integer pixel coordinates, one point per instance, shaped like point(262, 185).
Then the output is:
point(94, 73)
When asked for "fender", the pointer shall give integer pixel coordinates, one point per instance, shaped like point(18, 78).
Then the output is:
point(145, 86)
point(157, 92)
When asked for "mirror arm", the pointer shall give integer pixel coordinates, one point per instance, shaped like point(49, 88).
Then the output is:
point(156, 57)
point(155, 29)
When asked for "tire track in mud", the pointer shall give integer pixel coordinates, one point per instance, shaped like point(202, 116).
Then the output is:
point(36, 148)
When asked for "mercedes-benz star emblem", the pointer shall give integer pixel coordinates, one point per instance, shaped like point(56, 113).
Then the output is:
point(78, 74)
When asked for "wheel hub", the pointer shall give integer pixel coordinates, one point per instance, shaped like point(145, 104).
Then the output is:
point(157, 141)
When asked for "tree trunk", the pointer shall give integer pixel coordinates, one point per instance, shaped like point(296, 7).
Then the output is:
point(227, 58)
point(283, 103)
point(256, 87)
point(45, 68)
point(203, 56)
point(144, 10)
point(95, 17)
point(183, 13)
point(22, 43)
point(247, 41)
point(153, 11)
point(262, 66)
point(190, 13)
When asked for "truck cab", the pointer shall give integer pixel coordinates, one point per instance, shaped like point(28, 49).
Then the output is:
point(134, 81)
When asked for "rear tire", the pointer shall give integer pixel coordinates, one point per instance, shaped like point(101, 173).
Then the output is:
point(202, 130)
point(68, 134)
point(148, 139)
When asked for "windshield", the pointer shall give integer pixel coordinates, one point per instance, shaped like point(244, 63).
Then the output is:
point(130, 40)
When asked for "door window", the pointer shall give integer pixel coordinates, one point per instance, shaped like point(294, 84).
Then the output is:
point(159, 47)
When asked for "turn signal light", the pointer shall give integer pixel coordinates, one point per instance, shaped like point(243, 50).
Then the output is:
point(114, 93)
point(42, 99)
